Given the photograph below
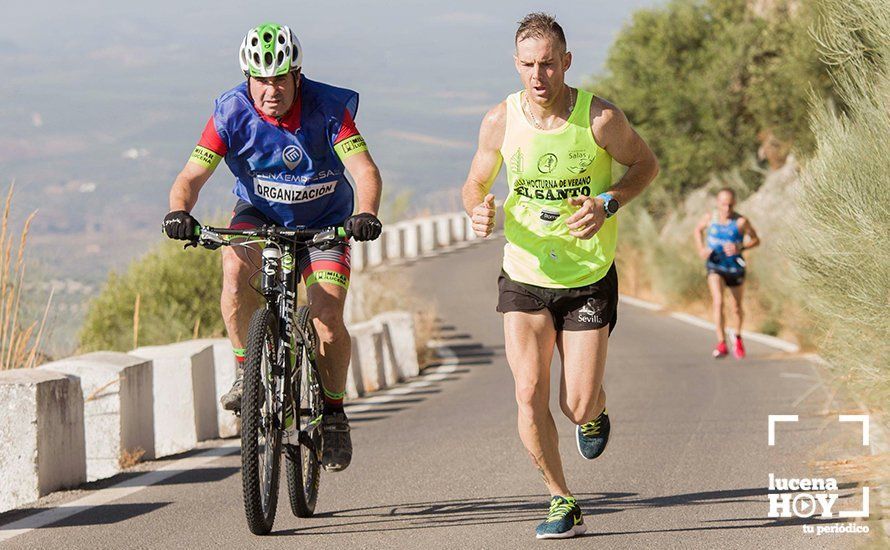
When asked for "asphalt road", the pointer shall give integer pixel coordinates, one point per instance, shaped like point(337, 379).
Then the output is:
point(438, 463)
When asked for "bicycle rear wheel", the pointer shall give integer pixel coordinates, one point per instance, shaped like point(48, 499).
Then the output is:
point(303, 461)
point(260, 429)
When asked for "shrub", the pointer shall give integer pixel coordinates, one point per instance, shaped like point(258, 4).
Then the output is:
point(657, 265)
point(20, 336)
point(177, 295)
point(699, 79)
point(171, 295)
point(838, 246)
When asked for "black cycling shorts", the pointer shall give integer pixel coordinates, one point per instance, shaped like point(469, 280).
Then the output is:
point(583, 308)
point(330, 266)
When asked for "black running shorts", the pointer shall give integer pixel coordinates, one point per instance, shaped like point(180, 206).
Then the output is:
point(583, 308)
point(730, 279)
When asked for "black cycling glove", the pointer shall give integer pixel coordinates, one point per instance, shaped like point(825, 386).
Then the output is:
point(364, 226)
point(179, 224)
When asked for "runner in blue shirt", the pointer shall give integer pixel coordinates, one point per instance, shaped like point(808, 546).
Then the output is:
point(727, 235)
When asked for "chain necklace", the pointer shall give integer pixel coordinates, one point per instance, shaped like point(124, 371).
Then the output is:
point(535, 120)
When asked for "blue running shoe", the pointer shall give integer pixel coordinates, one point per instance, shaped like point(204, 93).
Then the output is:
point(593, 436)
point(563, 521)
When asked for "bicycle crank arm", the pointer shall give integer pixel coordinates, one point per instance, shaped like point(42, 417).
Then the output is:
point(306, 441)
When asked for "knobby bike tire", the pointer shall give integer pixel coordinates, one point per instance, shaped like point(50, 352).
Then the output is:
point(302, 466)
point(259, 506)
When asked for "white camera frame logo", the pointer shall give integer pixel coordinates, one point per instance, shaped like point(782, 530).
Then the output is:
point(806, 504)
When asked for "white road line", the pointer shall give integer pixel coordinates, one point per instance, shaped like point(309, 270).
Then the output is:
point(640, 303)
point(796, 375)
point(115, 492)
point(771, 341)
point(692, 320)
point(765, 339)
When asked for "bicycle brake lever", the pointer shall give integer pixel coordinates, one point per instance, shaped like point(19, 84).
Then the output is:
point(326, 245)
point(190, 244)
point(330, 238)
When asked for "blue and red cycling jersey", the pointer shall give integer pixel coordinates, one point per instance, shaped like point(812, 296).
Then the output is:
point(290, 169)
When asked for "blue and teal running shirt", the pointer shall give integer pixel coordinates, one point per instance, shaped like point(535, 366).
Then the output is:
point(720, 234)
point(291, 169)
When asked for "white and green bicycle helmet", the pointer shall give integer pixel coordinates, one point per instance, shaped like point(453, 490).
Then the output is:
point(270, 50)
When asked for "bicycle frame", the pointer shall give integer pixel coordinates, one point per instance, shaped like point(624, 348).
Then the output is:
point(283, 388)
point(278, 285)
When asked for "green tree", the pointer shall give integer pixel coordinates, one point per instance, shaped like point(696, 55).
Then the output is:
point(178, 295)
point(838, 241)
point(700, 79)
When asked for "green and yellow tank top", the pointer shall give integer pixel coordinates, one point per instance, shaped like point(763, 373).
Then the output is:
point(545, 168)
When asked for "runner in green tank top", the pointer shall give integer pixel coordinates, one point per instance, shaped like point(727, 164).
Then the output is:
point(545, 170)
point(558, 287)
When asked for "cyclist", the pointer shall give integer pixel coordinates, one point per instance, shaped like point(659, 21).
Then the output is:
point(728, 235)
point(558, 286)
point(287, 140)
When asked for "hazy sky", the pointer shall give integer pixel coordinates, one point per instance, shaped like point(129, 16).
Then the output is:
point(101, 103)
point(86, 81)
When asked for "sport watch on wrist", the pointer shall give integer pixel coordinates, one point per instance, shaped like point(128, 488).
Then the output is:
point(610, 205)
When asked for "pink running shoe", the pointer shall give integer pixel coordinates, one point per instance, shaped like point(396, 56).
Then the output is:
point(739, 349)
point(720, 351)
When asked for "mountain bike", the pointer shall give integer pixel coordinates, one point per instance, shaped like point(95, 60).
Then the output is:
point(281, 407)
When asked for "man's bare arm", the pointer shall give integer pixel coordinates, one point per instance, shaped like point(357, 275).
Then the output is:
point(367, 181)
point(613, 132)
point(703, 251)
point(751, 239)
point(478, 202)
point(487, 160)
point(187, 186)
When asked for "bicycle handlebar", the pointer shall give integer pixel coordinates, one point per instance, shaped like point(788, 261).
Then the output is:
point(213, 237)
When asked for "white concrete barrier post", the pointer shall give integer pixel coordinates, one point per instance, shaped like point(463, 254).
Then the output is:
point(184, 395)
point(366, 356)
point(399, 349)
point(41, 428)
point(357, 259)
point(349, 305)
point(443, 231)
point(398, 336)
point(411, 239)
point(224, 373)
point(117, 409)
point(354, 387)
point(388, 360)
point(471, 235)
point(458, 227)
point(374, 250)
point(392, 241)
point(427, 234)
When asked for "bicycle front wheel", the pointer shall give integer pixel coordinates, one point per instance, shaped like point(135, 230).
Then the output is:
point(302, 463)
point(260, 429)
